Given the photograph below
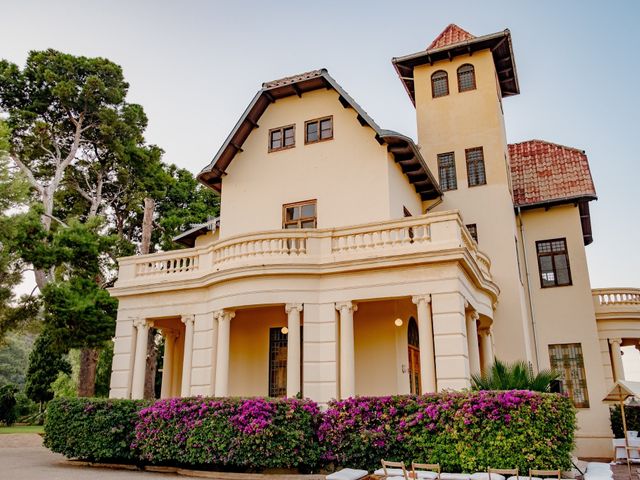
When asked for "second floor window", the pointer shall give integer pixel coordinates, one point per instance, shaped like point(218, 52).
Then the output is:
point(473, 230)
point(447, 171)
point(475, 166)
point(553, 262)
point(299, 215)
point(466, 78)
point(439, 84)
point(318, 130)
point(282, 137)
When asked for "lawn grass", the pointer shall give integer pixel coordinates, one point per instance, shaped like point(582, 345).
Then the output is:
point(22, 429)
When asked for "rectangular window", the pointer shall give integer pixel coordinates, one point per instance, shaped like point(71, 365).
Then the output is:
point(282, 138)
point(318, 130)
point(475, 166)
point(553, 263)
point(299, 215)
point(567, 359)
point(473, 230)
point(277, 362)
point(447, 171)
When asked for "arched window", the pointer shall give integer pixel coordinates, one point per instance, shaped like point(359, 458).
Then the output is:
point(439, 84)
point(466, 78)
point(413, 341)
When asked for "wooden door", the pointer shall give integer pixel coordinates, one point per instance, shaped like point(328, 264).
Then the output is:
point(414, 357)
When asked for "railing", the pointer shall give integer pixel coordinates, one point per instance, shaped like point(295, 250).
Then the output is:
point(437, 232)
point(616, 296)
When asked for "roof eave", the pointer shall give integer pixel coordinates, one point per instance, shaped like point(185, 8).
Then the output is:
point(588, 197)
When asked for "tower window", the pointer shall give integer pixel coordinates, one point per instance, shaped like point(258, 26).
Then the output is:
point(318, 130)
point(473, 231)
point(282, 137)
point(447, 171)
point(466, 78)
point(553, 262)
point(439, 84)
point(567, 359)
point(475, 166)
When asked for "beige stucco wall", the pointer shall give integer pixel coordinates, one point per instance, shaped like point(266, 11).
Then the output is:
point(351, 176)
point(465, 120)
point(566, 315)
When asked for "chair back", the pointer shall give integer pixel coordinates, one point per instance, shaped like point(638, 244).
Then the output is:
point(502, 471)
point(386, 464)
point(428, 467)
point(544, 473)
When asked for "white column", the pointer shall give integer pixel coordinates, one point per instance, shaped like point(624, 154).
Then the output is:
point(616, 356)
point(188, 320)
point(486, 343)
point(222, 351)
point(293, 348)
point(167, 362)
point(425, 336)
point(347, 349)
point(140, 363)
point(472, 340)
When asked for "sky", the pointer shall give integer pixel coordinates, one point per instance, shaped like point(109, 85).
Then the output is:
point(195, 65)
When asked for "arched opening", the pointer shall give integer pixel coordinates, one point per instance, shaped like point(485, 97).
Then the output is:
point(414, 357)
point(466, 78)
point(439, 84)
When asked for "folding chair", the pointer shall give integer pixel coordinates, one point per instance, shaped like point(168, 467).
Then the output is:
point(430, 471)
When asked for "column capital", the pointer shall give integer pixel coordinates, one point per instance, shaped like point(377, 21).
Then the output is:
point(421, 298)
point(139, 322)
point(340, 306)
point(188, 319)
point(224, 315)
point(615, 341)
point(289, 307)
point(474, 315)
point(484, 331)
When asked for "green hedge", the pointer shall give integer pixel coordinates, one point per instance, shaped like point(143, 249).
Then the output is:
point(463, 431)
point(93, 429)
point(632, 414)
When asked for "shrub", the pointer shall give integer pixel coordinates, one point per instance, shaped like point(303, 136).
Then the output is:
point(632, 414)
point(239, 434)
point(514, 376)
point(464, 431)
point(93, 429)
point(8, 411)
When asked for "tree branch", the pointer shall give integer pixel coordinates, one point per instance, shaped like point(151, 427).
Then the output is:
point(56, 219)
point(28, 173)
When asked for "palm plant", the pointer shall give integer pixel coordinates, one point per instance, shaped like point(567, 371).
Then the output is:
point(514, 376)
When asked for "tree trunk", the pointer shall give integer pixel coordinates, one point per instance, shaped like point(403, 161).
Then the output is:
point(147, 225)
point(87, 374)
point(152, 363)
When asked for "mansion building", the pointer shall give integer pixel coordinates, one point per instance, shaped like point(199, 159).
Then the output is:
point(349, 260)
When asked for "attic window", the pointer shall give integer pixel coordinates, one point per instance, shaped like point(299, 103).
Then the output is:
point(318, 130)
point(440, 84)
point(282, 137)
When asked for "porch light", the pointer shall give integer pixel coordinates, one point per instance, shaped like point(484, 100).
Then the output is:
point(398, 322)
point(284, 330)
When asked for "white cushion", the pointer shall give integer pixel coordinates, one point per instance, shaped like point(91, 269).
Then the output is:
point(598, 466)
point(598, 475)
point(485, 476)
point(521, 477)
point(347, 474)
point(390, 471)
point(455, 476)
point(425, 474)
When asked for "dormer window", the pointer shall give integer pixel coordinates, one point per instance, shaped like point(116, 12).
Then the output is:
point(318, 130)
point(282, 138)
point(466, 78)
point(440, 84)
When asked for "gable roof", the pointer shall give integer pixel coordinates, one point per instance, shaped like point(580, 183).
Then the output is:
point(450, 35)
point(403, 149)
point(545, 173)
point(453, 42)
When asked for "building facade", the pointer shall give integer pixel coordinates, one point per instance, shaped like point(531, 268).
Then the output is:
point(349, 260)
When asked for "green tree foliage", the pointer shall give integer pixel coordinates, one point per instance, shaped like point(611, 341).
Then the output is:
point(45, 362)
point(8, 411)
point(514, 376)
point(14, 357)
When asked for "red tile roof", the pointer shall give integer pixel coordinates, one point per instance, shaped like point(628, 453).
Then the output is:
point(450, 35)
point(544, 172)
